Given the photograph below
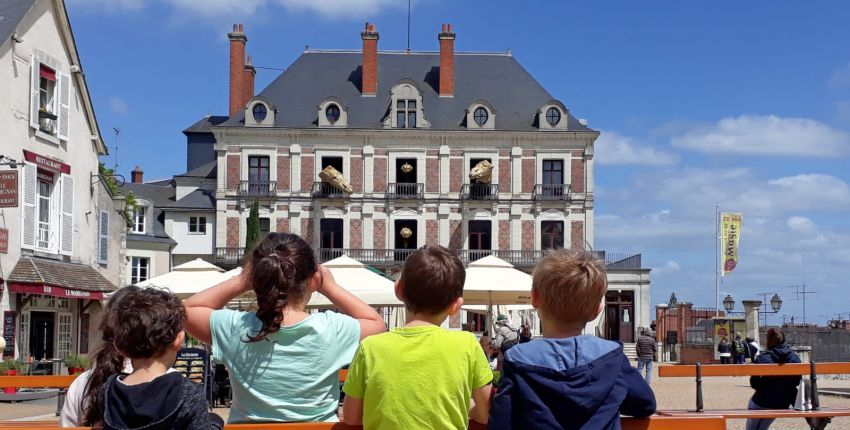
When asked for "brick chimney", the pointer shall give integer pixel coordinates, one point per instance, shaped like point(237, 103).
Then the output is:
point(137, 175)
point(369, 80)
point(447, 61)
point(237, 67)
point(248, 83)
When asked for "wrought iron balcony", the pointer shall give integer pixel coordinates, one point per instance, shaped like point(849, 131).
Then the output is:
point(257, 188)
point(229, 257)
point(551, 192)
point(479, 192)
point(322, 190)
point(405, 191)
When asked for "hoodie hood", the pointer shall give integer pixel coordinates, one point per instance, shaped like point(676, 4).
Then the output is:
point(129, 407)
point(582, 381)
point(782, 354)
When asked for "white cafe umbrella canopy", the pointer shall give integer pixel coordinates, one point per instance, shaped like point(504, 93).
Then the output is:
point(493, 281)
point(189, 278)
point(355, 277)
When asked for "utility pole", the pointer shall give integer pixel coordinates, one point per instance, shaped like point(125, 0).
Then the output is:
point(800, 294)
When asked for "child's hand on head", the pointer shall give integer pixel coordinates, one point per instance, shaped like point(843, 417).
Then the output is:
point(327, 281)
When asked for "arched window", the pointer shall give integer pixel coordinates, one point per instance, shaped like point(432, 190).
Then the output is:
point(332, 113)
point(553, 116)
point(481, 116)
point(260, 111)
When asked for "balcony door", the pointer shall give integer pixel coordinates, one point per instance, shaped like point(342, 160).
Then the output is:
point(480, 239)
point(331, 242)
point(405, 245)
point(405, 177)
point(553, 178)
point(258, 175)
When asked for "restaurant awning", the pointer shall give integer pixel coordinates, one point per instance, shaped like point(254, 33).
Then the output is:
point(33, 275)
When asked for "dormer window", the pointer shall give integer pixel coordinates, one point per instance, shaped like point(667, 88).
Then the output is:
point(332, 114)
point(481, 116)
point(406, 114)
point(260, 111)
point(553, 116)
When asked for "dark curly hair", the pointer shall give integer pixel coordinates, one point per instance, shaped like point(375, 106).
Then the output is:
point(279, 268)
point(107, 361)
point(148, 321)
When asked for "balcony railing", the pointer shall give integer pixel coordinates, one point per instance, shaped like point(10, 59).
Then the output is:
point(322, 190)
point(257, 188)
point(232, 257)
point(551, 192)
point(479, 192)
point(401, 191)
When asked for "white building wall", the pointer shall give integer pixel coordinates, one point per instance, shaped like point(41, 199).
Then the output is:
point(177, 227)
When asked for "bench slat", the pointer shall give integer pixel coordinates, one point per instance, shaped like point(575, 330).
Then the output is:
point(763, 413)
point(34, 381)
point(690, 371)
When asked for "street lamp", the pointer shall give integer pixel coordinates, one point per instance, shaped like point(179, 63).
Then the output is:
point(776, 303)
point(728, 303)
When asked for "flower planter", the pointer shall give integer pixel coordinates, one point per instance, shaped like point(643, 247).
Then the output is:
point(10, 390)
point(75, 370)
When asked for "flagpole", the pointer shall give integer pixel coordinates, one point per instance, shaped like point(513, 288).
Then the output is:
point(717, 259)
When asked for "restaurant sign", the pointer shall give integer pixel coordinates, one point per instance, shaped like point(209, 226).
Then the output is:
point(47, 163)
point(8, 189)
point(49, 290)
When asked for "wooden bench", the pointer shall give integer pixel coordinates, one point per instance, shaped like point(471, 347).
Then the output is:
point(818, 418)
point(656, 422)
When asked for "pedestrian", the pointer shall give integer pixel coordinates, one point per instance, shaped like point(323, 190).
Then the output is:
point(646, 350)
point(524, 334)
point(506, 336)
point(725, 350)
point(754, 348)
point(773, 392)
point(739, 350)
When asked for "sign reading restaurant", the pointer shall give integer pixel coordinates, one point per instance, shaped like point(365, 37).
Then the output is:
point(47, 163)
point(8, 189)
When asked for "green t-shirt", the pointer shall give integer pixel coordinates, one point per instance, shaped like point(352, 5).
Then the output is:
point(417, 378)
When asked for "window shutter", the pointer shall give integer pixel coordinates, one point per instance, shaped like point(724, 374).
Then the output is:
point(28, 191)
point(65, 88)
point(34, 95)
point(66, 240)
point(103, 250)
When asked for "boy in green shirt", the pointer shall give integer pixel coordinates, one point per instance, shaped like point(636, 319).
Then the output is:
point(421, 376)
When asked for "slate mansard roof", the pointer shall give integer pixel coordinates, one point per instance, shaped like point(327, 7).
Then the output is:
point(318, 75)
point(12, 12)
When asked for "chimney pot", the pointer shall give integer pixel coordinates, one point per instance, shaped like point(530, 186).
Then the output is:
point(239, 94)
point(447, 61)
point(137, 175)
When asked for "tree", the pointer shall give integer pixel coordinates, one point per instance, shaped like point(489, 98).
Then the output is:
point(252, 233)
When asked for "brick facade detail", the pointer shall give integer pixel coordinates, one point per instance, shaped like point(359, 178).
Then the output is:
point(432, 232)
point(308, 165)
point(283, 225)
point(456, 175)
point(577, 235)
point(356, 234)
point(307, 230)
point(455, 235)
point(234, 170)
point(577, 175)
point(283, 173)
point(356, 176)
point(505, 175)
point(233, 232)
point(380, 181)
point(529, 174)
point(379, 234)
point(432, 175)
point(504, 234)
point(528, 235)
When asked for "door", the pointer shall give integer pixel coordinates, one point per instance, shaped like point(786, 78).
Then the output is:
point(479, 239)
point(627, 324)
point(258, 175)
point(405, 245)
point(553, 178)
point(612, 322)
point(331, 233)
point(42, 327)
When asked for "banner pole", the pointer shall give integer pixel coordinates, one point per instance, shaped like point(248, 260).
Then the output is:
point(716, 259)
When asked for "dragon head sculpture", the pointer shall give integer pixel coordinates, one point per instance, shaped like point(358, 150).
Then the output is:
point(482, 172)
point(330, 175)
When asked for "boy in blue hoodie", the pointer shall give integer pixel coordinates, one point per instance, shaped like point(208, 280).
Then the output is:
point(567, 380)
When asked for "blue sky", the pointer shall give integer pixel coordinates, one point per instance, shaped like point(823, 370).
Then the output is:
point(746, 104)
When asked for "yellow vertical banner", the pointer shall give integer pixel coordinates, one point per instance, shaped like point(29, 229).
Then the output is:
point(730, 234)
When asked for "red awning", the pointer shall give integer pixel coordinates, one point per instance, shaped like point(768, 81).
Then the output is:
point(50, 290)
point(48, 73)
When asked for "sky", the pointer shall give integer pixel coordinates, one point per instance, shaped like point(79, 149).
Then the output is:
point(743, 105)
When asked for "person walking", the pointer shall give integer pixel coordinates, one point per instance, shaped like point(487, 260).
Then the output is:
point(524, 333)
point(739, 350)
point(725, 350)
point(754, 349)
point(505, 336)
point(773, 392)
point(646, 350)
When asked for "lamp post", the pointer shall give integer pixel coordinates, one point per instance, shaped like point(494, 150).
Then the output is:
point(728, 303)
point(775, 304)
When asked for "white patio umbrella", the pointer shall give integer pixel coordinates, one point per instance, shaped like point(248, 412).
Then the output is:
point(188, 278)
point(355, 277)
point(493, 281)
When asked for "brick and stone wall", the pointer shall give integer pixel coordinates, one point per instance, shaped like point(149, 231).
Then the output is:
point(432, 232)
point(456, 174)
point(308, 166)
point(455, 235)
point(283, 170)
point(233, 172)
point(577, 235)
point(432, 172)
point(577, 175)
point(380, 181)
point(307, 230)
point(504, 234)
point(528, 176)
point(283, 225)
point(528, 235)
point(356, 234)
point(379, 234)
point(233, 232)
point(355, 178)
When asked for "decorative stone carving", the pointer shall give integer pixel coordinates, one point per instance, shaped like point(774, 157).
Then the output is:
point(331, 176)
point(406, 168)
point(482, 172)
point(406, 232)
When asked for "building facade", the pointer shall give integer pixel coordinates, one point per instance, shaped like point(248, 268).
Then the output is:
point(62, 224)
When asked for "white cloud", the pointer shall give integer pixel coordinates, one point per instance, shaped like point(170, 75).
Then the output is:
point(118, 105)
point(343, 8)
point(840, 77)
point(766, 135)
point(842, 110)
point(110, 5)
point(801, 224)
point(350, 9)
point(613, 148)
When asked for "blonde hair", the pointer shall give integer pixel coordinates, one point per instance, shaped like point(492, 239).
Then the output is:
point(570, 285)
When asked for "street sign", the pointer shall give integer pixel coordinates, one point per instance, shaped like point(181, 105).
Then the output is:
point(8, 189)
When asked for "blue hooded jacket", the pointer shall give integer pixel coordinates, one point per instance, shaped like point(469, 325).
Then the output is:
point(581, 382)
point(775, 392)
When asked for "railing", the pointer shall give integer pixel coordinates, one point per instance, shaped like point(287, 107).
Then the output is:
point(257, 188)
point(479, 192)
point(398, 191)
point(322, 190)
point(551, 192)
point(229, 256)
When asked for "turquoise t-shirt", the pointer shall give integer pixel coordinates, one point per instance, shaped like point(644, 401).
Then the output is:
point(291, 376)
